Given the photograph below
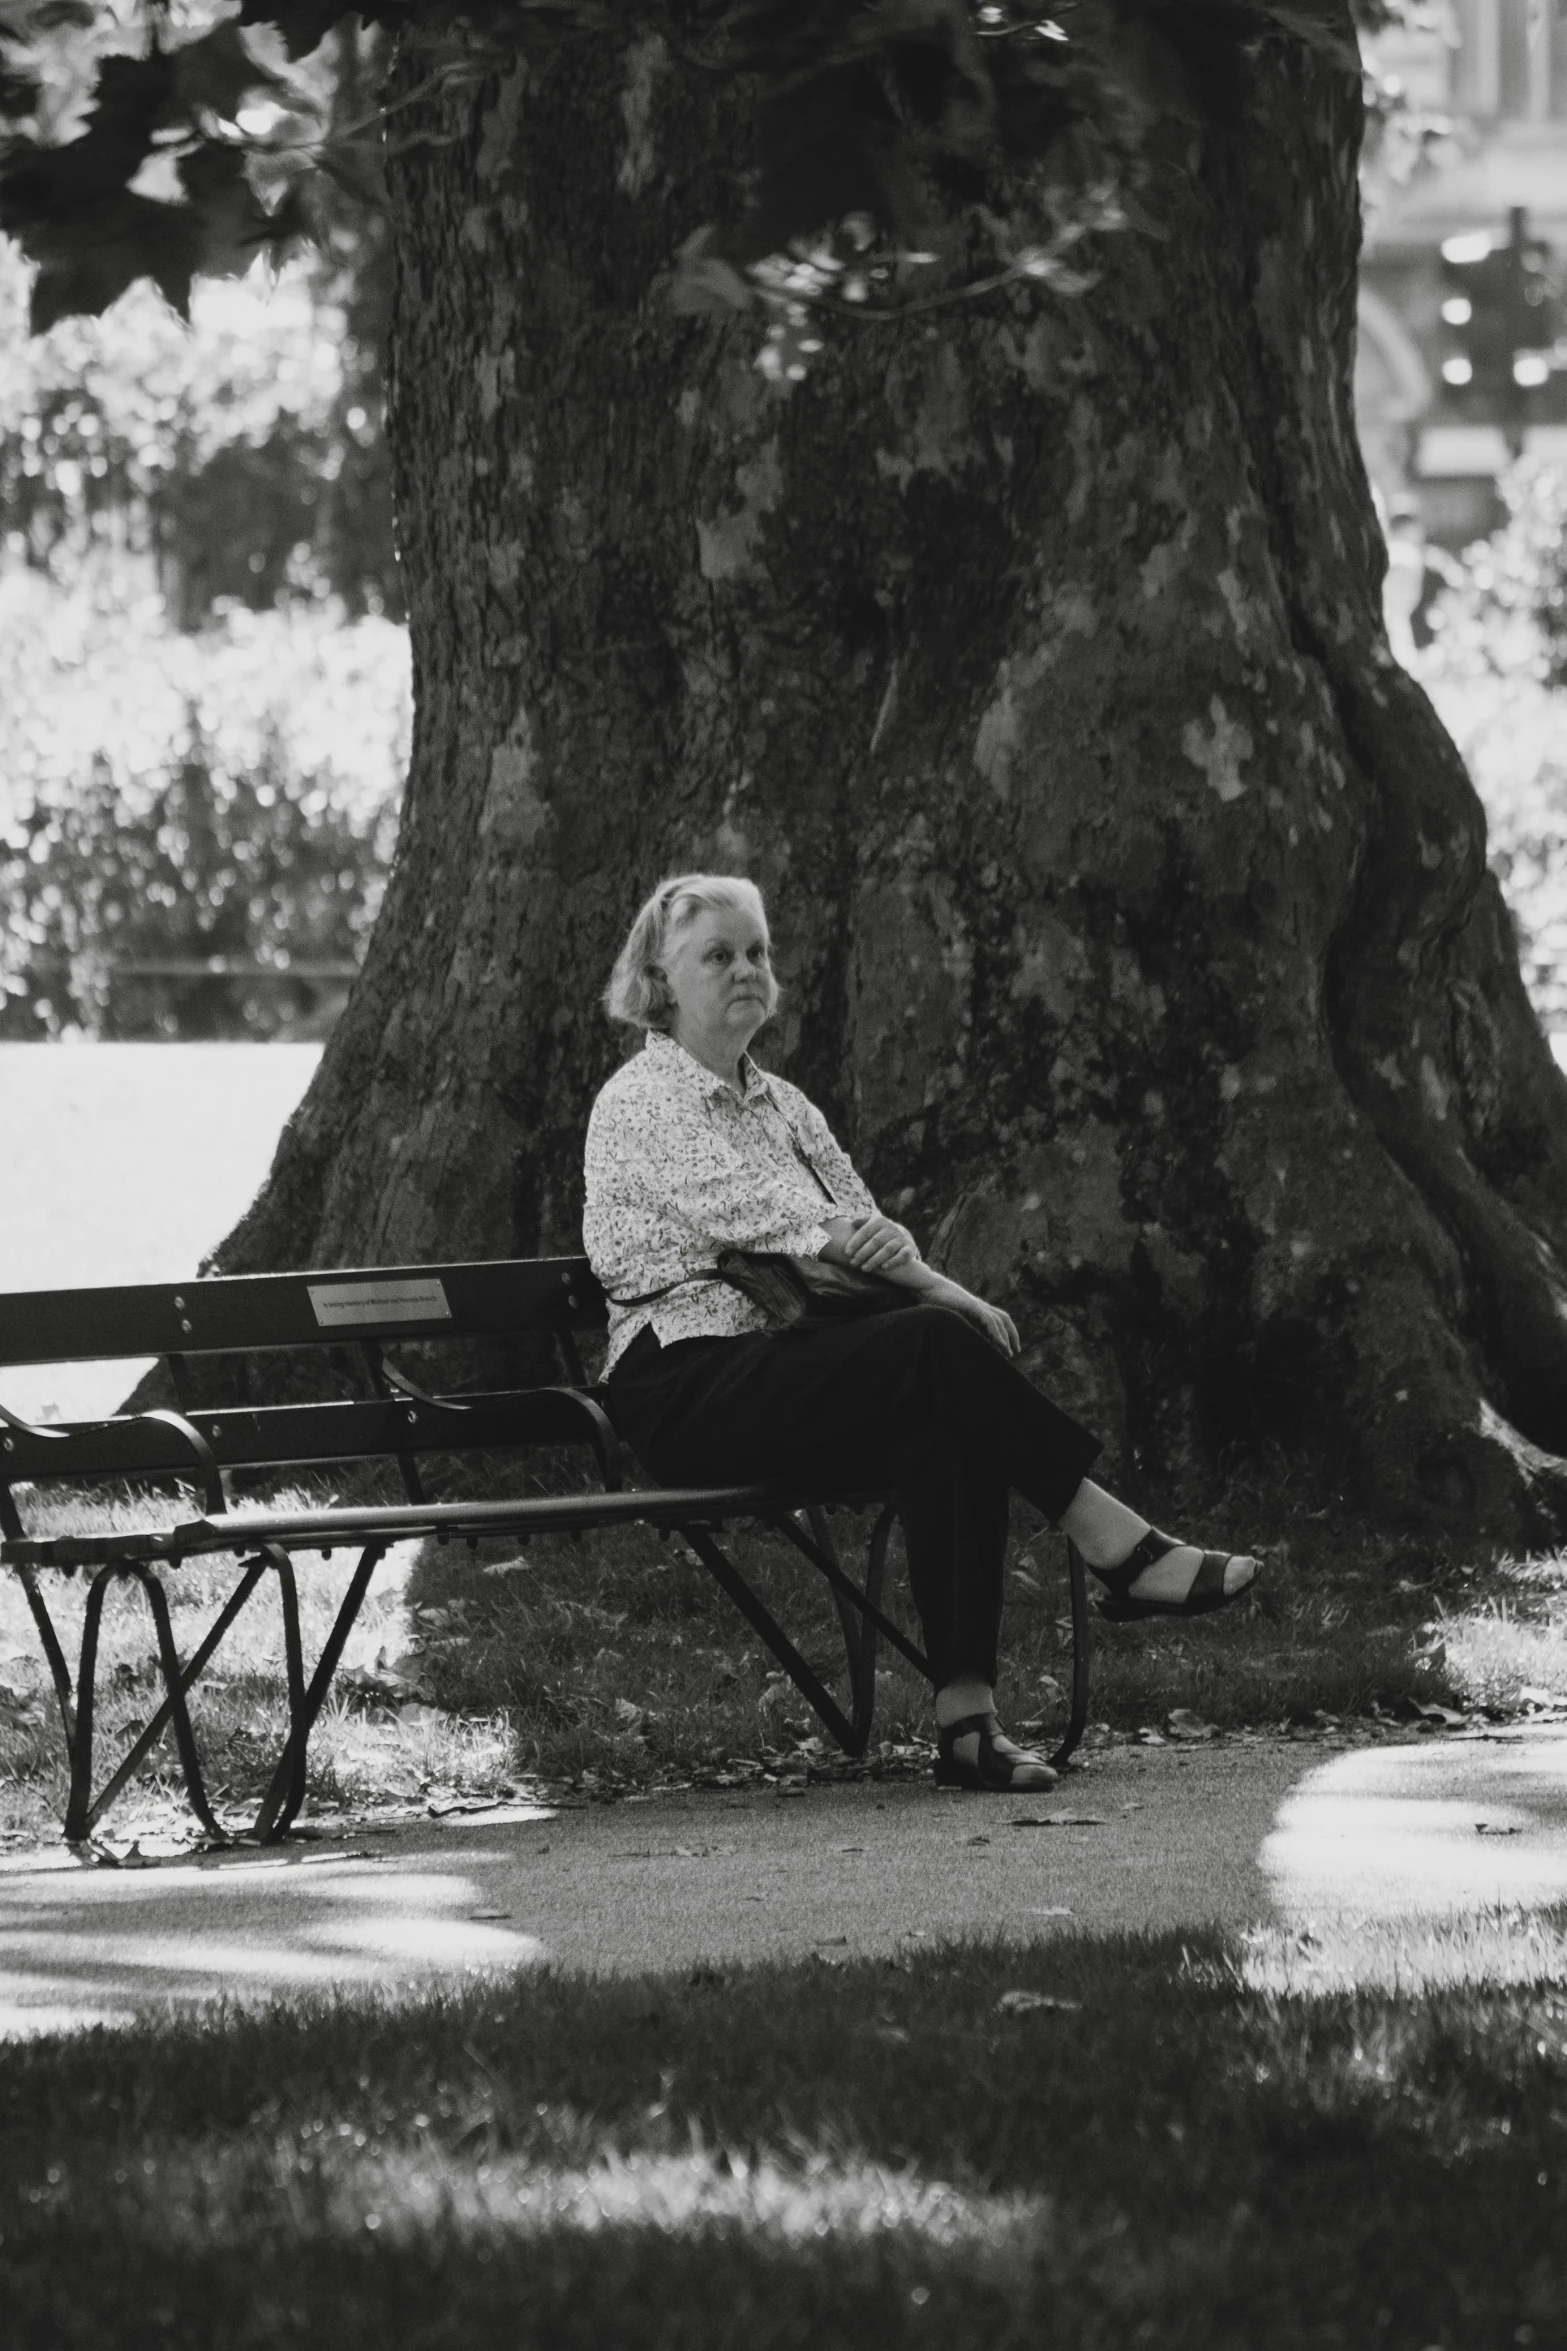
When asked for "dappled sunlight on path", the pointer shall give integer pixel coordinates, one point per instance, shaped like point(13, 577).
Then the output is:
point(82, 1944)
point(1439, 1862)
point(1328, 1867)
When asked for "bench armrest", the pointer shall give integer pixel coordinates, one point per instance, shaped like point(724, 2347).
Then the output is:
point(204, 1460)
point(601, 1434)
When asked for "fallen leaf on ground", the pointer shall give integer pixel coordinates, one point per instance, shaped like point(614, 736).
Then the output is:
point(1497, 1828)
point(479, 1914)
point(1026, 2003)
point(383, 1682)
point(1058, 1820)
point(1147, 1736)
point(1434, 1714)
point(1182, 1723)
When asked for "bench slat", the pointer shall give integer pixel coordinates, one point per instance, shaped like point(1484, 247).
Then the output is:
point(237, 1313)
point(315, 1530)
point(288, 1436)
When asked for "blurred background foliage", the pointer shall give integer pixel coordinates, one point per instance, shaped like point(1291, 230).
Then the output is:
point(204, 691)
point(204, 695)
point(1495, 664)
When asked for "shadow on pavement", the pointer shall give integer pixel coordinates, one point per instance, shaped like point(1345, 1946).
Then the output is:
point(1244, 1835)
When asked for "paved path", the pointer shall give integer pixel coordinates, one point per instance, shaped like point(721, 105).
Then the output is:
point(1242, 1835)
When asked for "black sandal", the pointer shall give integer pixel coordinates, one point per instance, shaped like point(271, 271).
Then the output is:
point(997, 1772)
point(1206, 1591)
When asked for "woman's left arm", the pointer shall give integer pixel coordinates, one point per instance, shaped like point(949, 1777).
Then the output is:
point(874, 1243)
point(858, 1234)
point(830, 1162)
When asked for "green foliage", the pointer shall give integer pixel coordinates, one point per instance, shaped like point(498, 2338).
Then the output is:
point(900, 113)
point(196, 802)
point(1495, 668)
point(224, 795)
point(153, 105)
point(1504, 610)
point(113, 905)
point(244, 459)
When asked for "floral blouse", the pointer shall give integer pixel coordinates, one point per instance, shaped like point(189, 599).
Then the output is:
point(679, 1166)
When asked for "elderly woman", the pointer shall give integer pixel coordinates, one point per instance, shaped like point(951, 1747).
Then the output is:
point(693, 1149)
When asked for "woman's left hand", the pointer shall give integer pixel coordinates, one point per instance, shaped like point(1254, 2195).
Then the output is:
point(877, 1245)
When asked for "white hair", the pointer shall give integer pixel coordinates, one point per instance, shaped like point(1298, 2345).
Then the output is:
point(638, 993)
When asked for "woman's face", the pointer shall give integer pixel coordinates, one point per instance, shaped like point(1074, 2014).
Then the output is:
point(718, 970)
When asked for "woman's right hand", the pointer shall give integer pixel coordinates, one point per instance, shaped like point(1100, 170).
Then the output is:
point(992, 1322)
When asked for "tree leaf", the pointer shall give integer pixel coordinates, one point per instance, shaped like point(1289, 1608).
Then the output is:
point(87, 261)
point(218, 73)
point(304, 24)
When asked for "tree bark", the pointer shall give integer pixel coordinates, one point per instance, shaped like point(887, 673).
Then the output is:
point(1130, 900)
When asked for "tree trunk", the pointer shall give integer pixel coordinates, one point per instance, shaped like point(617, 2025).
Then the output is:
point(1131, 902)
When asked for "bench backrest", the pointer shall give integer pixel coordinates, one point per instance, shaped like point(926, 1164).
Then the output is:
point(358, 1311)
point(241, 1313)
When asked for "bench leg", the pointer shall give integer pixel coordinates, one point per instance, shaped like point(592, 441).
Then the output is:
point(86, 1810)
point(859, 1628)
point(50, 1640)
point(788, 1656)
point(859, 1613)
point(875, 1577)
point(818, 1548)
point(81, 1811)
point(1082, 1655)
point(286, 1792)
point(864, 1602)
point(189, 1675)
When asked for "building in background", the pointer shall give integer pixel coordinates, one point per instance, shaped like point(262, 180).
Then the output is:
point(1463, 335)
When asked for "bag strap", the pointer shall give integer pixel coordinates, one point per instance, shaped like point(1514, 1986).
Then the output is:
point(711, 1273)
point(706, 1273)
point(807, 1162)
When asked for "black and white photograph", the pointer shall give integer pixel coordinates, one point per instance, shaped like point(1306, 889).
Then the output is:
point(783, 1175)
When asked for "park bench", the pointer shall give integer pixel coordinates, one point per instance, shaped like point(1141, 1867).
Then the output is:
point(335, 1329)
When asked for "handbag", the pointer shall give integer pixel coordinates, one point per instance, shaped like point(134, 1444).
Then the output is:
point(797, 1293)
point(793, 1293)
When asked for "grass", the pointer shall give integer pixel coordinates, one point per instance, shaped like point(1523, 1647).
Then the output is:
point(613, 1661)
point(1164, 2142)
point(617, 1657)
point(358, 1756)
point(1511, 1650)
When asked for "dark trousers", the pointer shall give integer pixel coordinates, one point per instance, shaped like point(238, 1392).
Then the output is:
point(915, 1401)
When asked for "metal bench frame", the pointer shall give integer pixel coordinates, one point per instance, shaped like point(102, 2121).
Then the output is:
point(365, 1310)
